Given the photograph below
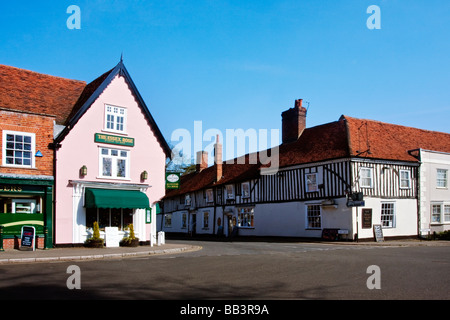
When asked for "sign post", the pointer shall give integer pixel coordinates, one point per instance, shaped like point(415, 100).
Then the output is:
point(356, 200)
point(27, 239)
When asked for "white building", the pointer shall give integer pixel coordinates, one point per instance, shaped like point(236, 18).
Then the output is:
point(322, 171)
point(434, 193)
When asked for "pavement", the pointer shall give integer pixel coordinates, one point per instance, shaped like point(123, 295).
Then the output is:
point(11, 256)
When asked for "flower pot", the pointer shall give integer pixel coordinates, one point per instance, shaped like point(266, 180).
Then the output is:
point(94, 243)
point(127, 242)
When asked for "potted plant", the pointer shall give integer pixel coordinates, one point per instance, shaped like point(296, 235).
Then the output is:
point(95, 241)
point(131, 240)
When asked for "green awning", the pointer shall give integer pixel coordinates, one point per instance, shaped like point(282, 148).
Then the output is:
point(111, 198)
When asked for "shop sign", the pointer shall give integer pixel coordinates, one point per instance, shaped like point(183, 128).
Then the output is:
point(366, 218)
point(121, 141)
point(27, 238)
point(10, 188)
point(172, 180)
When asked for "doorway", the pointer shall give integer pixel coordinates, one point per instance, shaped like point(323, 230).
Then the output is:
point(194, 224)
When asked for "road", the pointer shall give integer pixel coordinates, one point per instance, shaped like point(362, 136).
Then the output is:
point(244, 270)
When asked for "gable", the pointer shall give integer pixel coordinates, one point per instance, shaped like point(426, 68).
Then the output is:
point(94, 89)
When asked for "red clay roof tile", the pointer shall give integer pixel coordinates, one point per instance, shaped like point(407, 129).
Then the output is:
point(29, 91)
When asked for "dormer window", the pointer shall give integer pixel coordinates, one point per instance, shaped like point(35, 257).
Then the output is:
point(115, 119)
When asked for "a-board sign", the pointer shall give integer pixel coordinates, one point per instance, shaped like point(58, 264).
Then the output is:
point(27, 238)
point(378, 232)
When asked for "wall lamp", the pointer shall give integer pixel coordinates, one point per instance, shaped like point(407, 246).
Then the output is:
point(83, 171)
point(144, 175)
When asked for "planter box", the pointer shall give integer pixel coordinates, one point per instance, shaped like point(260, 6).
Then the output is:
point(129, 243)
point(91, 243)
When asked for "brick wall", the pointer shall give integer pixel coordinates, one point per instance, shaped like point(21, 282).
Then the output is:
point(14, 243)
point(42, 127)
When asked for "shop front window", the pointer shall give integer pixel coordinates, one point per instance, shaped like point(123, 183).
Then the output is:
point(21, 205)
point(114, 217)
point(246, 217)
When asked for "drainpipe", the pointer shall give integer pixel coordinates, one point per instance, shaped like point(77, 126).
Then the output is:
point(416, 153)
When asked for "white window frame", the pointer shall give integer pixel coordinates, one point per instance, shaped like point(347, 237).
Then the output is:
point(209, 196)
point(32, 151)
point(205, 219)
point(311, 182)
point(187, 200)
point(402, 179)
point(168, 220)
point(311, 220)
point(245, 195)
point(30, 203)
point(446, 213)
point(114, 163)
point(112, 114)
point(436, 213)
point(443, 180)
point(440, 212)
point(391, 222)
point(246, 217)
point(361, 177)
point(229, 192)
point(184, 220)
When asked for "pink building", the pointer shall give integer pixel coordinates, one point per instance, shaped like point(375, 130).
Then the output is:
point(110, 162)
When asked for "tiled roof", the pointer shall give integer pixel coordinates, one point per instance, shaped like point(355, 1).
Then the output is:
point(323, 142)
point(390, 141)
point(347, 137)
point(29, 91)
point(207, 177)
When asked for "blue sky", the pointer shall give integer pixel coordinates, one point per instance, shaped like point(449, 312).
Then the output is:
point(239, 64)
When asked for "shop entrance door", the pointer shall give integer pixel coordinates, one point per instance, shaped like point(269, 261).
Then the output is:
point(194, 224)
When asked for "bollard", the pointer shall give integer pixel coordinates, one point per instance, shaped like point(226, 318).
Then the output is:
point(1, 239)
point(45, 237)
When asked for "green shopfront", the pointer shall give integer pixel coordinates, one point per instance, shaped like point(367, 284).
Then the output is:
point(26, 202)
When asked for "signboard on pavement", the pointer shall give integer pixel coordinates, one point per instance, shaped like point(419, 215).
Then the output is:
point(378, 232)
point(27, 238)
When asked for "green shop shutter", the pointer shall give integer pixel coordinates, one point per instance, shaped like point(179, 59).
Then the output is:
point(111, 198)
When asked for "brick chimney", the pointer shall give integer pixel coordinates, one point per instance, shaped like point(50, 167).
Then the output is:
point(218, 158)
point(293, 122)
point(202, 161)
